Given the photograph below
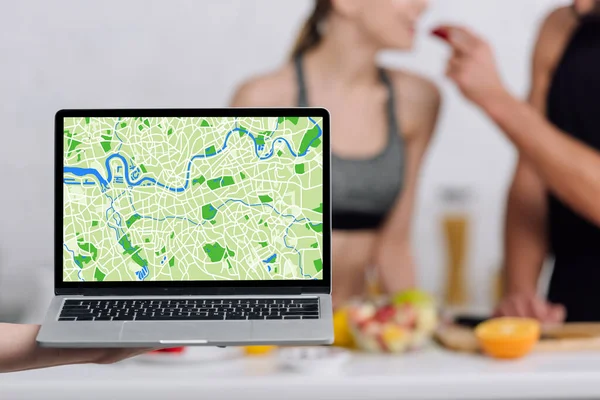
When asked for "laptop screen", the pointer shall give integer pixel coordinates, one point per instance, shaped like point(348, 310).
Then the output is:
point(192, 199)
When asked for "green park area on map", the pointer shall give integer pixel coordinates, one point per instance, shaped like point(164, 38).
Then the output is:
point(165, 199)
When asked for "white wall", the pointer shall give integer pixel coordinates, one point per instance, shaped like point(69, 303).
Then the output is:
point(148, 53)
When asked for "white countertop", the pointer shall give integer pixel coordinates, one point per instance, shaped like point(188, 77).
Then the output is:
point(430, 374)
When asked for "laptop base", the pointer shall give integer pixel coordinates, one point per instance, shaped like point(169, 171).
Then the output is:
point(162, 334)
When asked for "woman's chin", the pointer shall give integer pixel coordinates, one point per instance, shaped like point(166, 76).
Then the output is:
point(401, 44)
point(406, 46)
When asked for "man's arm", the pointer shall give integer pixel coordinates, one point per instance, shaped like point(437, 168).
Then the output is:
point(526, 231)
point(570, 169)
point(526, 248)
point(472, 68)
point(525, 244)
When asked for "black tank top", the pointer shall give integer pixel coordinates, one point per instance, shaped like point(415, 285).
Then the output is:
point(574, 107)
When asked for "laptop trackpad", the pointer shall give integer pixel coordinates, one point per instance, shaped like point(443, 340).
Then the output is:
point(193, 332)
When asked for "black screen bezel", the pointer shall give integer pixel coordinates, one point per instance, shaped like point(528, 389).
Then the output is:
point(191, 287)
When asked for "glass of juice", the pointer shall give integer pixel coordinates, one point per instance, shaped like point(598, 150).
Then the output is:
point(455, 227)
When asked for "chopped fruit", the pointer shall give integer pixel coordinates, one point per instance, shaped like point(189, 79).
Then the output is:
point(395, 338)
point(406, 323)
point(363, 313)
point(413, 296)
point(385, 314)
point(508, 337)
point(371, 328)
point(427, 319)
point(383, 347)
point(418, 340)
point(406, 316)
point(371, 344)
point(393, 334)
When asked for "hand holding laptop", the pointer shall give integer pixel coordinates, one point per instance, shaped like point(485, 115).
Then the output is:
point(19, 351)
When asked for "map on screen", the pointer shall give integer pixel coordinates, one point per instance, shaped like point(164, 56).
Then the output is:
point(192, 199)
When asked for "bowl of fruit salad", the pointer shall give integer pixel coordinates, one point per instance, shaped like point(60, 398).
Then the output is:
point(394, 324)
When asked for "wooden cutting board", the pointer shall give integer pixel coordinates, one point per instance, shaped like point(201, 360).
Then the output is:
point(565, 337)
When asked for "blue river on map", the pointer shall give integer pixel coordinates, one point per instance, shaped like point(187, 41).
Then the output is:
point(106, 181)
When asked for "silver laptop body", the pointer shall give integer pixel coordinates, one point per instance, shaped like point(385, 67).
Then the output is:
point(182, 227)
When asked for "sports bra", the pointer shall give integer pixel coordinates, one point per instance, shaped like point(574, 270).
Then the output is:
point(364, 191)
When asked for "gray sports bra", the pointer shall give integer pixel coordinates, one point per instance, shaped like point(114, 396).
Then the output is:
point(364, 190)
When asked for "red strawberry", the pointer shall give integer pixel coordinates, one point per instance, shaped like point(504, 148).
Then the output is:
point(441, 33)
point(386, 313)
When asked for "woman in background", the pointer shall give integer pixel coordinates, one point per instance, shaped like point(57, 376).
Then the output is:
point(382, 124)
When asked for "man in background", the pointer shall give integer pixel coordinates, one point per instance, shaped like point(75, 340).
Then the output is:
point(554, 201)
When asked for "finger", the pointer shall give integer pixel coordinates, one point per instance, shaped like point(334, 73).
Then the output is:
point(462, 43)
point(557, 313)
point(498, 312)
point(506, 308)
point(137, 352)
point(453, 68)
point(460, 38)
point(454, 65)
point(539, 309)
point(449, 72)
point(452, 76)
point(455, 61)
point(504, 311)
point(520, 308)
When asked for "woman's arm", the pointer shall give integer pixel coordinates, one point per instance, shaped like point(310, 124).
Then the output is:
point(19, 351)
point(570, 169)
point(418, 110)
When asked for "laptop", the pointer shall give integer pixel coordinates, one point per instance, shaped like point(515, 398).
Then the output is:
point(183, 227)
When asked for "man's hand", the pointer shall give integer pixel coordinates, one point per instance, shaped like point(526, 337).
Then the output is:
point(472, 65)
point(530, 306)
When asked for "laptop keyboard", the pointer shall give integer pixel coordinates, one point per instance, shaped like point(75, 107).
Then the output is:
point(189, 310)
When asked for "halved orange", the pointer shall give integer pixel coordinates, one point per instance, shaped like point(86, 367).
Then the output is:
point(508, 337)
point(341, 329)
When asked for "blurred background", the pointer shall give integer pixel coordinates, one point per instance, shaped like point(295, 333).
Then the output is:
point(146, 53)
